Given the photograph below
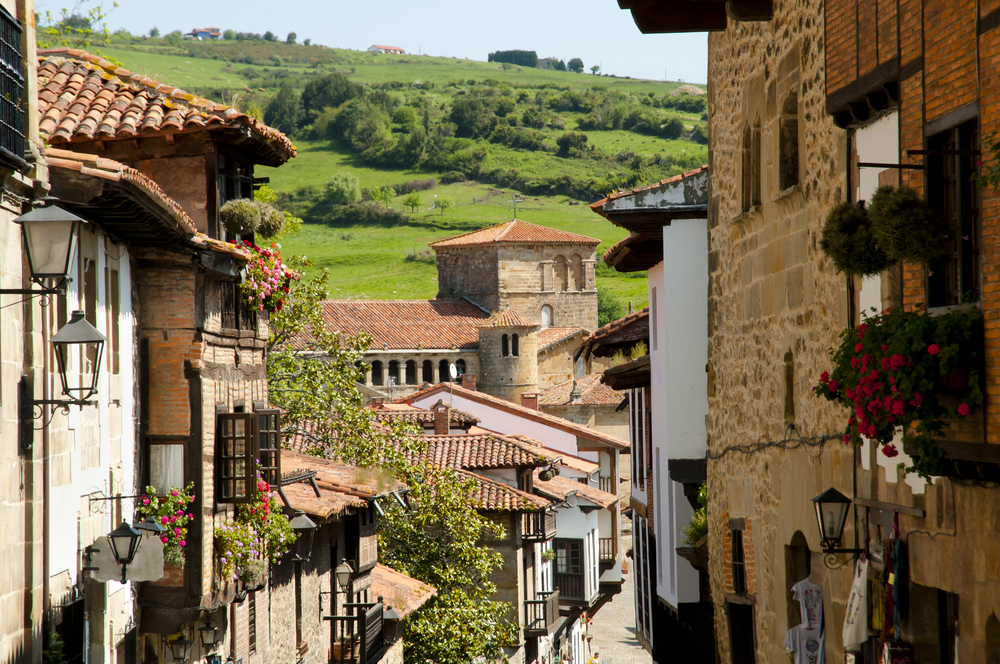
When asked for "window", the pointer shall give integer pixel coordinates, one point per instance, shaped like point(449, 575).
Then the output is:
point(789, 142)
point(411, 372)
point(460, 369)
point(546, 316)
point(637, 413)
point(11, 89)
point(751, 166)
point(951, 163)
point(427, 372)
point(236, 315)
point(113, 310)
point(444, 371)
point(739, 566)
point(504, 345)
point(514, 350)
point(653, 319)
point(235, 455)
point(561, 268)
point(299, 636)
point(235, 181)
point(166, 465)
point(569, 556)
point(789, 377)
point(393, 372)
point(377, 378)
point(269, 444)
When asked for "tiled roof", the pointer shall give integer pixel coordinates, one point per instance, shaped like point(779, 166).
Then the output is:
point(603, 337)
point(83, 97)
point(494, 495)
point(598, 207)
point(592, 392)
point(515, 231)
point(559, 487)
point(392, 413)
point(527, 413)
point(554, 335)
point(405, 324)
point(565, 459)
point(622, 322)
point(508, 318)
point(399, 591)
point(342, 487)
point(479, 451)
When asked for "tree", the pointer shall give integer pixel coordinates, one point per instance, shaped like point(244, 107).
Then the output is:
point(444, 203)
point(595, 69)
point(559, 65)
point(284, 110)
point(407, 119)
point(575, 65)
point(383, 195)
point(342, 189)
point(609, 307)
point(229, 35)
point(154, 33)
point(329, 91)
point(76, 28)
point(174, 38)
point(270, 36)
point(290, 39)
point(413, 201)
point(472, 117)
point(571, 143)
point(307, 42)
point(672, 128)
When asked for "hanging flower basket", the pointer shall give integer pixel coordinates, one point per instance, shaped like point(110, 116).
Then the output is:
point(902, 372)
point(265, 284)
point(173, 513)
point(259, 533)
point(849, 240)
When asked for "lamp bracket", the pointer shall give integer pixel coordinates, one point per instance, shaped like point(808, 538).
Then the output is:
point(32, 291)
point(831, 557)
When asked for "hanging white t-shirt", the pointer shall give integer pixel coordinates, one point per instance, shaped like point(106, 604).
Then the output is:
point(810, 598)
point(806, 645)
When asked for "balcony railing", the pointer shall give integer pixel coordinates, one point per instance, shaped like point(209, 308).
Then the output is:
point(541, 615)
point(538, 526)
point(607, 550)
point(357, 639)
point(570, 586)
point(608, 484)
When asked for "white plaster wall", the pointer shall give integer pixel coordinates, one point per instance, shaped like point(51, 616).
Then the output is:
point(573, 523)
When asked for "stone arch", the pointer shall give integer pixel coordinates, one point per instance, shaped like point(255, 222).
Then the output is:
point(576, 280)
point(546, 316)
point(460, 367)
point(427, 372)
point(992, 645)
point(504, 346)
point(797, 567)
point(411, 372)
point(394, 371)
point(788, 139)
point(377, 378)
point(514, 350)
point(560, 276)
point(444, 371)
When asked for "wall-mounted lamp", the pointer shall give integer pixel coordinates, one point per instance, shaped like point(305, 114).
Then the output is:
point(149, 525)
point(180, 649)
point(305, 528)
point(343, 573)
point(209, 635)
point(124, 543)
point(832, 508)
point(51, 236)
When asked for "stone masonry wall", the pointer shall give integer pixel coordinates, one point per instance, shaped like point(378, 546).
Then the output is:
point(470, 271)
point(775, 301)
point(507, 377)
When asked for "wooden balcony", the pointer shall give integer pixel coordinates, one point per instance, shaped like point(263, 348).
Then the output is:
point(541, 615)
point(357, 638)
point(538, 526)
point(570, 586)
point(608, 485)
point(607, 550)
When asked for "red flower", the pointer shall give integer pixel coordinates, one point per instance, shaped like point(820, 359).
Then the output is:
point(897, 362)
point(885, 364)
point(933, 349)
point(854, 363)
point(861, 330)
point(825, 376)
point(847, 439)
point(917, 400)
point(964, 410)
point(889, 450)
point(833, 385)
point(859, 346)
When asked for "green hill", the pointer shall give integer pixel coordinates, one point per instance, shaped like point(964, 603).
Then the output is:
point(477, 131)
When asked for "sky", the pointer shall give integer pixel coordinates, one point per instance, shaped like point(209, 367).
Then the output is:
point(596, 31)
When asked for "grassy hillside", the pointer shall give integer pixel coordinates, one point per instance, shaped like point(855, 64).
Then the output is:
point(560, 139)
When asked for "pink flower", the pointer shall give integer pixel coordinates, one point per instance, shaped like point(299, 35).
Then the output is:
point(164, 519)
point(173, 519)
point(889, 450)
point(917, 400)
point(183, 543)
point(933, 349)
point(145, 501)
point(964, 410)
point(177, 532)
point(163, 539)
point(190, 516)
point(847, 439)
point(179, 512)
point(175, 493)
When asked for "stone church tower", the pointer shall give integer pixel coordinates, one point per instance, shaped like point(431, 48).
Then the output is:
point(545, 274)
point(508, 356)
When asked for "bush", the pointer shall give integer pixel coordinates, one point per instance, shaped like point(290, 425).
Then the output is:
point(240, 216)
point(700, 134)
point(672, 128)
point(416, 185)
point(284, 110)
point(571, 143)
point(849, 240)
point(905, 227)
point(453, 176)
point(698, 526)
point(609, 307)
point(363, 214)
point(342, 189)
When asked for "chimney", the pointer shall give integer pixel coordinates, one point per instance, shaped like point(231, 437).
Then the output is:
point(442, 418)
point(378, 401)
point(469, 381)
point(529, 400)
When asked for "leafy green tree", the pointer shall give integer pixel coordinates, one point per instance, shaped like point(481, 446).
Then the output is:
point(609, 307)
point(575, 65)
point(595, 69)
point(270, 36)
point(284, 110)
point(444, 203)
point(383, 195)
point(307, 42)
point(77, 27)
point(413, 201)
point(472, 118)
point(571, 143)
point(174, 38)
point(290, 39)
point(154, 33)
point(329, 91)
point(504, 106)
point(407, 119)
point(342, 189)
point(559, 65)
point(229, 35)
point(700, 134)
point(672, 128)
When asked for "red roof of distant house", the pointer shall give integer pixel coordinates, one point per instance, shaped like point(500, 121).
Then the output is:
point(551, 336)
point(592, 393)
point(392, 412)
point(84, 98)
point(404, 324)
point(508, 318)
point(399, 591)
point(515, 231)
point(387, 48)
point(560, 487)
point(494, 495)
point(480, 451)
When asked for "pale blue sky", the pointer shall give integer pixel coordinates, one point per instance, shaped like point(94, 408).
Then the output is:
point(596, 31)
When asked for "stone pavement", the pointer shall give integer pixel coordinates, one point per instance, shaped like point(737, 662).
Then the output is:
point(613, 628)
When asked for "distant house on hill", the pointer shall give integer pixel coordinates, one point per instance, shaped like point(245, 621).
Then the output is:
point(379, 48)
point(547, 63)
point(204, 33)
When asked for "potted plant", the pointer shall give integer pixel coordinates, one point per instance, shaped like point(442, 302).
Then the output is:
point(173, 513)
point(548, 555)
point(259, 533)
point(265, 282)
point(892, 373)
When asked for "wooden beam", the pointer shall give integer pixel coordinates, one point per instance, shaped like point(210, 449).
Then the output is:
point(902, 509)
point(679, 17)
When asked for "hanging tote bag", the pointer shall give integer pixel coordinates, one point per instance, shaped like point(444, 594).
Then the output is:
point(856, 619)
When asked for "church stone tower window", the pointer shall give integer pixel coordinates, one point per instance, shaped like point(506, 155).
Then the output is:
point(546, 316)
point(427, 373)
point(513, 345)
point(504, 346)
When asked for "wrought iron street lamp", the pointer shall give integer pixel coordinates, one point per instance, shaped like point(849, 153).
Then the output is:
point(209, 635)
point(343, 573)
point(79, 333)
point(124, 543)
point(180, 649)
point(305, 528)
point(832, 508)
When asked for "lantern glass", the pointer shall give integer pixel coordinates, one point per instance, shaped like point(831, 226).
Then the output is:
point(305, 528)
point(180, 649)
point(831, 515)
point(51, 236)
point(209, 635)
point(79, 333)
point(124, 543)
point(344, 572)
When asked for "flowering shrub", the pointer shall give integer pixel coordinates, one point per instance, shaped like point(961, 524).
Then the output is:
point(265, 284)
point(259, 531)
point(889, 372)
point(172, 513)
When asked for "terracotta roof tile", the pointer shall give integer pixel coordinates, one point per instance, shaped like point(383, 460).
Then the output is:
point(559, 487)
point(399, 591)
point(342, 487)
point(422, 416)
point(515, 231)
point(508, 318)
point(592, 392)
point(83, 97)
point(400, 324)
point(565, 459)
point(496, 496)
point(554, 335)
point(598, 207)
point(480, 451)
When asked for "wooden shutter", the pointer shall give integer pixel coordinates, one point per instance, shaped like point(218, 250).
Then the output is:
point(269, 444)
point(235, 457)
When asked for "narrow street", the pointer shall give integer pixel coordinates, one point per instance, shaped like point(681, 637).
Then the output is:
point(614, 625)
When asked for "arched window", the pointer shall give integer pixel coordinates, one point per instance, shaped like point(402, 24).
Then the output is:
point(427, 374)
point(546, 316)
point(411, 372)
point(514, 345)
point(796, 568)
point(576, 273)
point(377, 378)
point(559, 273)
point(504, 346)
point(992, 639)
point(581, 367)
point(460, 366)
point(789, 141)
point(394, 372)
point(443, 371)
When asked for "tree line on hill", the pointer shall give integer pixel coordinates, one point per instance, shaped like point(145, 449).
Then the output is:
point(530, 59)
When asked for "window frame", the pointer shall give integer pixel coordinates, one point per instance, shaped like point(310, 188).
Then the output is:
point(248, 456)
point(268, 456)
point(12, 93)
